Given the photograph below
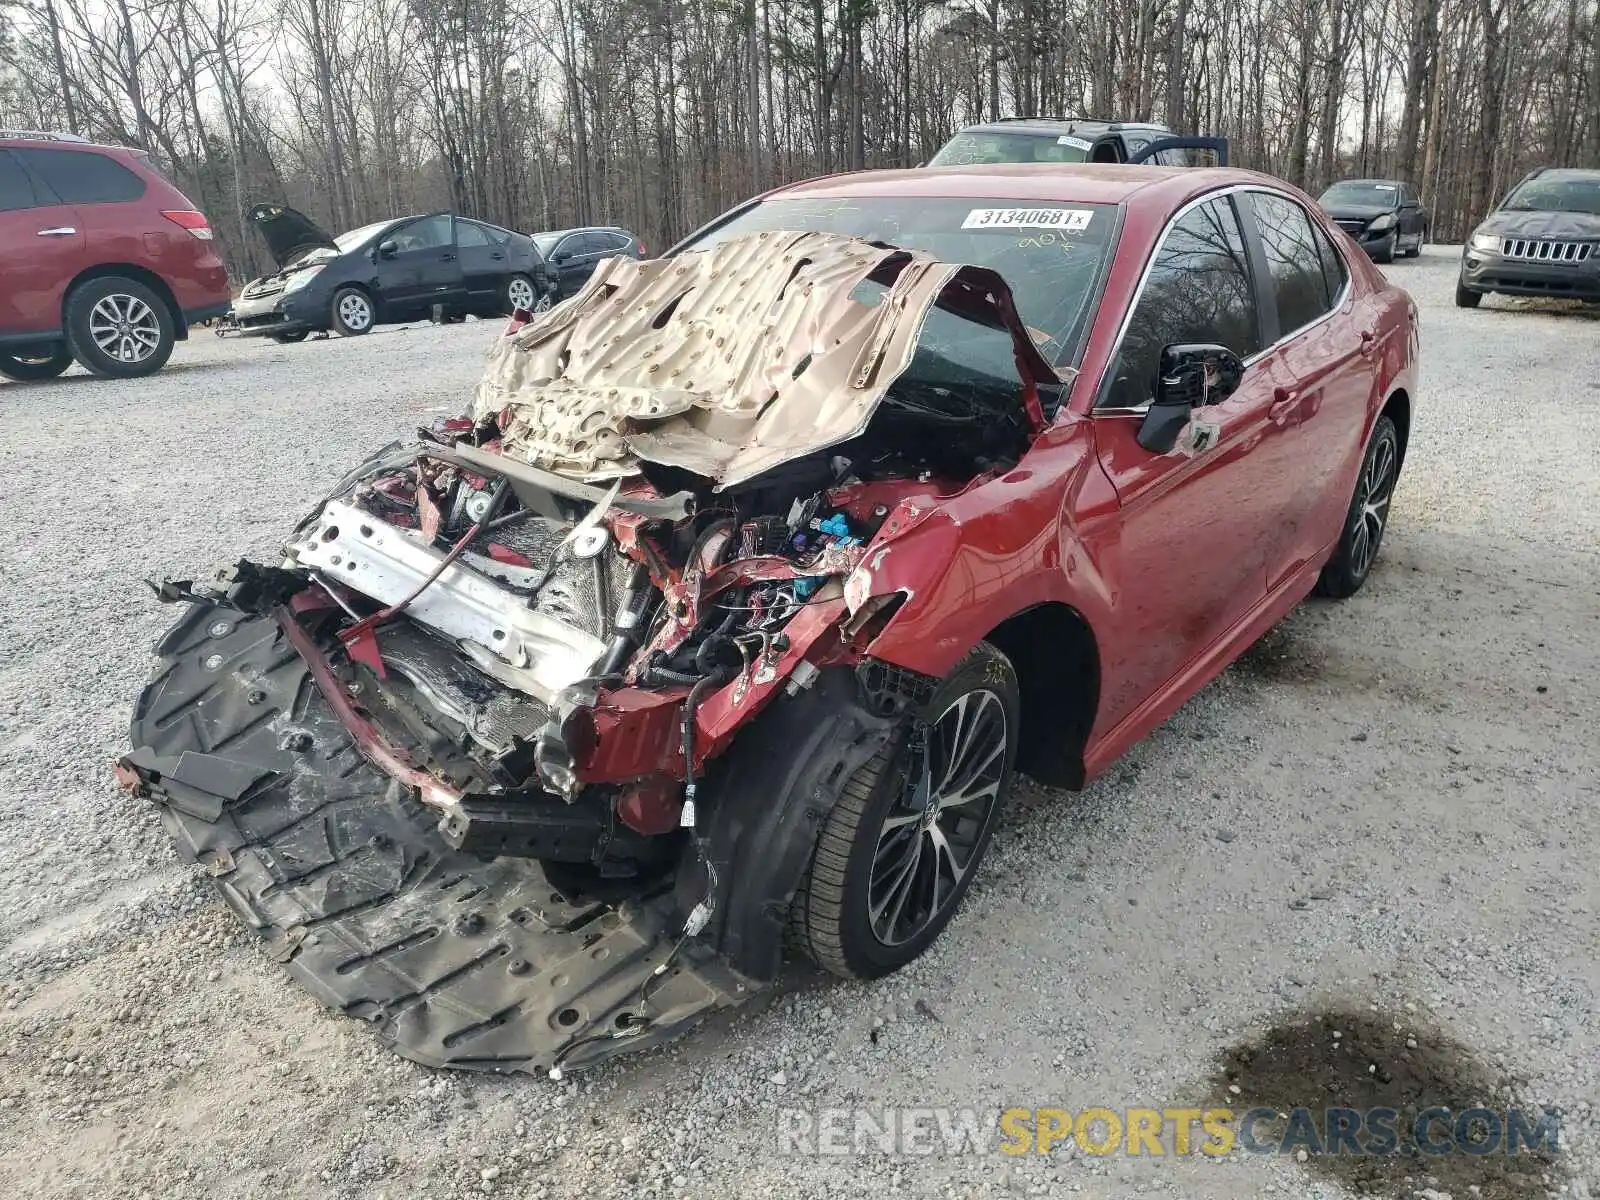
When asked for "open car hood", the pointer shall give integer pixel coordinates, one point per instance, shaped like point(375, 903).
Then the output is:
point(288, 232)
point(730, 361)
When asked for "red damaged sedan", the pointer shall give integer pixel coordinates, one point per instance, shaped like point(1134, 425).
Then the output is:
point(721, 617)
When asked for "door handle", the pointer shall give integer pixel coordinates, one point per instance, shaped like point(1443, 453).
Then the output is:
point(447, 257)
point(58, 231)
point(497, 256)
point(1284, 402)
point(1369, 342)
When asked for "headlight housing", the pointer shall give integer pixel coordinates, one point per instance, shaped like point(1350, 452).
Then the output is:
point(300, 278)
point(1382, 224)
point(1486, 241)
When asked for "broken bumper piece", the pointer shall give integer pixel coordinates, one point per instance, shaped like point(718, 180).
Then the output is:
point(339, 868)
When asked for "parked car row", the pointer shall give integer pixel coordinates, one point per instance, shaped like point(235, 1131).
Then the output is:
point(408, 268)
point(108, 264)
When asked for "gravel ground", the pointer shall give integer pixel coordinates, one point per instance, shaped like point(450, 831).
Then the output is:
point(1380, 822)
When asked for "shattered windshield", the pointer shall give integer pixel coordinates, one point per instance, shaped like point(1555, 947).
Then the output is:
point(1050, 254)
point(1363, 195)
point(976, 149)
point(1557, 195)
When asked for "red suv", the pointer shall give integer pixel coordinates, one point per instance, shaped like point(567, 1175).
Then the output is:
point(103, 260)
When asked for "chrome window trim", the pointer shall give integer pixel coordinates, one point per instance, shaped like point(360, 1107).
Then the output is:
point(1149, 266)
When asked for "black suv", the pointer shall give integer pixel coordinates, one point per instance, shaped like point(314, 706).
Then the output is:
point(1076, 140)
point(1543, 240)
point(573, 254)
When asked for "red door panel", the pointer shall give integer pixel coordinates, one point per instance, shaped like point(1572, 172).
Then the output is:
point(1332, 369)
point(41, 249)
point(1197, 532)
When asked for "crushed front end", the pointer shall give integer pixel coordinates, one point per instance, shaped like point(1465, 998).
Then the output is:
point(476, 757)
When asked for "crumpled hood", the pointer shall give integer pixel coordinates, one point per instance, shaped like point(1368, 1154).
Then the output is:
point(729, 361)
point(1355, 212)
point(1510, 223)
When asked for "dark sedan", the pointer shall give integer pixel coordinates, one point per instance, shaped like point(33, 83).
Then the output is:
point(1543, 240)
point(575, 253)
point(395, 270)
point(1385, 216)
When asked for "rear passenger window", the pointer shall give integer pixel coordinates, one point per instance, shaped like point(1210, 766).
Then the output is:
point(1334, 272)
point(16, 190)
point(1294, 260)
point(1198, 290)
point(468, 234)
point(82, 176)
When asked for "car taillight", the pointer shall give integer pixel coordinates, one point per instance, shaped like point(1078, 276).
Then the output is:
point(194, 222)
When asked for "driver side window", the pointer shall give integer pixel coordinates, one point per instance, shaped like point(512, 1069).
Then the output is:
point(430, 233)
point(1198, 290)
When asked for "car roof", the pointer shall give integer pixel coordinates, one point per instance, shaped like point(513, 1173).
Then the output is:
point(1048, 126)
point(71, 140)
point(1575, 173)
point(1085, 183)
point(1384, 182)
point(584, 229)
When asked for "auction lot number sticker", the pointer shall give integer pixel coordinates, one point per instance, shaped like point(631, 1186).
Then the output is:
point(1069, 220)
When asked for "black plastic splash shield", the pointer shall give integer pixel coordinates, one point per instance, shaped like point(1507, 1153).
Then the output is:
point(457, 961)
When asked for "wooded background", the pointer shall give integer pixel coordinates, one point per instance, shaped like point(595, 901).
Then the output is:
point(658, 114)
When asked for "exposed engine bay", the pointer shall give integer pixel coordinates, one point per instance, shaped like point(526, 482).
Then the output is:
point(541, 626)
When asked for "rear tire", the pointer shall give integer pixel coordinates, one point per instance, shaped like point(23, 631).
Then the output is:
point(28, 368)
point(518, 292)
point(1367, 517)
point(885, 878)
point(118, 328)
point(1466, 297)
point(351, 312)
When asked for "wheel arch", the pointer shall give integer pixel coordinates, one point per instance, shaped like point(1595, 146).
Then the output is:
point(1056, 657)
point(1398, 409)
point(138, 274)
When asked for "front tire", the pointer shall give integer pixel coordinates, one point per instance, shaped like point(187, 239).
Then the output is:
point(1367, 517)
point(1466, 297)
point(119, 328)
point(351, 312)
point(28, 368)
point(1385, 253)
point(290, 338)
point(901, 845)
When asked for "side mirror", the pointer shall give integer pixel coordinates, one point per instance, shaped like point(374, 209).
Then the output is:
point(1411, 204)
point(388, 249)
point(1191, 376)
point(561, 256)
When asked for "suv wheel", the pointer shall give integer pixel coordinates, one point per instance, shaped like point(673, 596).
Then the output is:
point(1466, 297)
point(28, 367)
point(352, 313)
point(119, 328)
